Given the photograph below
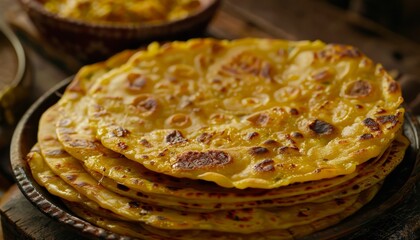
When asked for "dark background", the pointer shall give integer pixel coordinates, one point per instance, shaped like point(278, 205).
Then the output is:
point(400, 16)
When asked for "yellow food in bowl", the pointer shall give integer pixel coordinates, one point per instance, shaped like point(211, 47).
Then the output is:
point(119, 11)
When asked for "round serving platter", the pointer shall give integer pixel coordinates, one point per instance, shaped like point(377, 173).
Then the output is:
point(398, 185)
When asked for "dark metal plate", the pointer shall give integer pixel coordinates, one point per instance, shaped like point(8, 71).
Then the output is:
point(398, 185)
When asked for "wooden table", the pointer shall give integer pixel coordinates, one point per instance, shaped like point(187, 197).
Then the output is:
point(290, 19)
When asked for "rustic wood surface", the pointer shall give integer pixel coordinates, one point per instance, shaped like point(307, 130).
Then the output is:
point(17, 225)
point(289, 19)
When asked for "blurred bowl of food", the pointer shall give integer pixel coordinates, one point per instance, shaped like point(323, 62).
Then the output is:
point(93, 30)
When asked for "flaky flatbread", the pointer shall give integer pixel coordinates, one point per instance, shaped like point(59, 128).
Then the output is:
point(247, 113)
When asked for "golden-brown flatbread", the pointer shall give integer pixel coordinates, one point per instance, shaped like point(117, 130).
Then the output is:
point(242, 139)
point(131, 179)
point(143, 231)
point(247, 113)
point(247, 220)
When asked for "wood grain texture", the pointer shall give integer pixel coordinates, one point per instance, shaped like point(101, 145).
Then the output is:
point(21, 220)
point(303, 19)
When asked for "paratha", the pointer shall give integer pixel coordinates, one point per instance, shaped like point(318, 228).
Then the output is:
point(78, 140)
point(45, 177)
point(143, 231)
point(245, 113)
point(247, 220)
point(134, 181)
point(367, 177)
point(241, 139)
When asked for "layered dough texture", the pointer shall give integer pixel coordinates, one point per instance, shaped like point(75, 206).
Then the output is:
point(242, 139)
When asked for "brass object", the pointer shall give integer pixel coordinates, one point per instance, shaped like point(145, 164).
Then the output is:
point(14, 80)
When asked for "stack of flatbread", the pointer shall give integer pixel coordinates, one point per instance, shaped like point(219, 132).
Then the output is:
point(216, 139)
